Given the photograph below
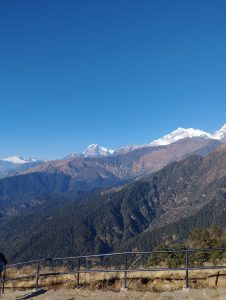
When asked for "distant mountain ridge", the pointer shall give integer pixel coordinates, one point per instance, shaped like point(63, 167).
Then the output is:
point(139, 215)
point(23, 184)
point(29, 186)
point(15, 164)
point(19, 160)
point(95, 150)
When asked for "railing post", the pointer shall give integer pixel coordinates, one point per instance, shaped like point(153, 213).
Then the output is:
point(3, 279)
point(78, 274)
point(37, 275)
point(186, 265)
point(125, 273)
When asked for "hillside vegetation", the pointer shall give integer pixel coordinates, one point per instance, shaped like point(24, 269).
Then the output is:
point(162, 207)
point(33, 186)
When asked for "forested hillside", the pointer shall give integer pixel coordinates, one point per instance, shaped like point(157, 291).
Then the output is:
point(33, 187)
point(139, 215)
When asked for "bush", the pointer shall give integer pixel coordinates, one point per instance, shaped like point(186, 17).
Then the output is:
point(200, 238)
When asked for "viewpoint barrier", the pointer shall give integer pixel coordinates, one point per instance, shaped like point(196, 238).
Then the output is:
point(122, 262)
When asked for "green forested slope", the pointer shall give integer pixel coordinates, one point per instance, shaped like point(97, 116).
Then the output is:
point(163, 206)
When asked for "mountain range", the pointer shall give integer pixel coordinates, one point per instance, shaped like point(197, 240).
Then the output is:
point(15, 164)
point(30, 186)
point(132, 198)
point(95, 150)
point(141, 214)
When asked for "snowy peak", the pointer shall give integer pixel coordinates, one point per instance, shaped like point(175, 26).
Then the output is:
point(220, 134)
point(95, 150)
point(18, 160)
point(179, 134)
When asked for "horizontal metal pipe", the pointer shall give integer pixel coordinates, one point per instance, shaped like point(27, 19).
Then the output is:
point(118, 271)
point(118, 254)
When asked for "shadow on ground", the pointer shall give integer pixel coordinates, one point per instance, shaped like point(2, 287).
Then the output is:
point(33, 294)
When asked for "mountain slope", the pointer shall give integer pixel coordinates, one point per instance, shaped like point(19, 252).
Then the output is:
point(170, 138)
point(11, 165)
point(164, 205)
point(95, 150)
point(147, 160)
point(18, 193)
point(180, 134)
point(129, 165)
point(220, 134)
point(32, 186)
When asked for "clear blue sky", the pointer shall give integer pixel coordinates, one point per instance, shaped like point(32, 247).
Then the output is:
point(75, 72)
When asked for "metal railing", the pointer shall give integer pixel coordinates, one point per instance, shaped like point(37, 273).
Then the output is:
point(119, 262)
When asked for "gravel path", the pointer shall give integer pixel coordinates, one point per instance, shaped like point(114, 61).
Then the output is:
point(80, 294)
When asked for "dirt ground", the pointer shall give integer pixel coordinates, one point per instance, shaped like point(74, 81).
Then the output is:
point(108, 286)
point(83, 294)
point(77, 294)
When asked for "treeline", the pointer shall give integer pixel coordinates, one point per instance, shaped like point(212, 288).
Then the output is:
point(200, 238)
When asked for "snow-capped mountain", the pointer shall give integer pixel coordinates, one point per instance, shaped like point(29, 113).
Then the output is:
point(176, 135)
point(179, 134)
point(95, 150)
point(220, 134)
point(14, 164)
point(18, 160)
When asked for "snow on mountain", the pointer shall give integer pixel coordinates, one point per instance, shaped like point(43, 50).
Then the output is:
point(11, 165)
point(127, 149)
point(95, 150)
point(220, 134)
point(72, 155)
point(179, 134)
point(18, 160)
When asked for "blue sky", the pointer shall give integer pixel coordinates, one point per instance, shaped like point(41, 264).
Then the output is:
point(114, 73)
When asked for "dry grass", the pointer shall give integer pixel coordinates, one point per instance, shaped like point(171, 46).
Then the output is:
point(140, 281)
